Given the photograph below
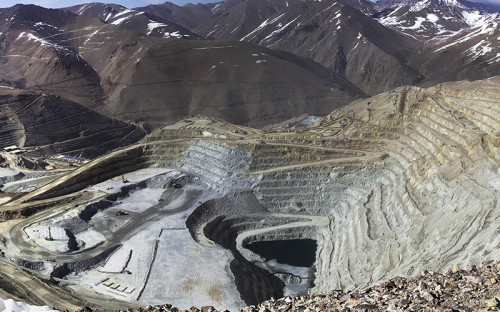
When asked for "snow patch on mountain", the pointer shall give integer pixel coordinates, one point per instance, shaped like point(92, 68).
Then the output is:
point(453, 3)
point(120, 20)
point(419, 6)
point(434, 20)
point(480, 48)
point(84, 7)
point(417, 25)
point(124, 12)
point(42, 41)
point(264, 24)
point(153, 25)
point(278, 31)
point(110, 14)
point(471, 17)
point(476, 41)
point(40, 24)
point(216, 8)
point(432, 17)
point(174, 34)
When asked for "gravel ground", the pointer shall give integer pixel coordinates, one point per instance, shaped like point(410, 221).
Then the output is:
point(476, 289)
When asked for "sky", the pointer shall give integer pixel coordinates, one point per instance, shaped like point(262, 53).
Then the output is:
point(126, 3)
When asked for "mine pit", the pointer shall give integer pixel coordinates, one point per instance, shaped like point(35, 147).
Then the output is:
point(233, 222)
point(292, 261)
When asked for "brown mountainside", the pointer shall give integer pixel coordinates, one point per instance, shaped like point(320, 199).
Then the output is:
point(137, 20)
point(129, 76)
point(332, 33)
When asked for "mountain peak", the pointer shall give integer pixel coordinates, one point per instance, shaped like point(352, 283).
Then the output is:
point(450, 3)
point(421, 4)
point(417, 5)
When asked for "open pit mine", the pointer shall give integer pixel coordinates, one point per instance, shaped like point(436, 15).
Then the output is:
point(203, 212)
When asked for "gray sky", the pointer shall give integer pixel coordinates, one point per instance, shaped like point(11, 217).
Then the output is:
point(126, 3)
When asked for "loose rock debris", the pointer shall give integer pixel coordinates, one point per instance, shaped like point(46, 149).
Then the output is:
point(476, 289)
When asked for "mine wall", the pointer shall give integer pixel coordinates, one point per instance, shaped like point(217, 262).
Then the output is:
point(412, 185)
point(111, 165)
point(424, 205)
point(209, 219)
point(424, 201)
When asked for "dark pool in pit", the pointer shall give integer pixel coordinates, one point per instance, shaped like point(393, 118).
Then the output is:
point(296, 252)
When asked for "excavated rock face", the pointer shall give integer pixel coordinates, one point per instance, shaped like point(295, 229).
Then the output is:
point(388, 186)
point(50, 124)
point(430, 200)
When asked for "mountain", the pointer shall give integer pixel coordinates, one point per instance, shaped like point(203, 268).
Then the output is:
point(40, 49)
point(459, 42)
point(103, 11)
point(332, 33)
point(374, 46)
point(189, 15)
point(470, 54)
point(140, 21)
point(266, 60)
point(483, 7)
point(428, 19)
point(125, 75)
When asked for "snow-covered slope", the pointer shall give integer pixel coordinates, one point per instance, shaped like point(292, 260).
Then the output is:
point(472, 53)
point(427, 19)
point(10, 305)
point(481, 40)
point(460, 42)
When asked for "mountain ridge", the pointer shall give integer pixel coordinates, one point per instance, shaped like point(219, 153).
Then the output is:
point(114, 70)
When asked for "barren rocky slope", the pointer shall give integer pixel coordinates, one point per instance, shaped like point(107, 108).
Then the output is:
point(388, 186)
point(476, 289)
point(148, 24)
point(129, 76)
point(332, 33)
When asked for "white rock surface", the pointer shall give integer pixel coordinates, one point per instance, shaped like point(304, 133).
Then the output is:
point(9, 305)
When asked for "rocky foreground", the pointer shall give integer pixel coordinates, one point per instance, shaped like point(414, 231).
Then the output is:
point(476, 289)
